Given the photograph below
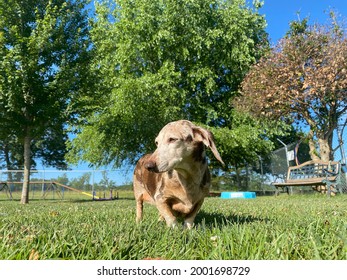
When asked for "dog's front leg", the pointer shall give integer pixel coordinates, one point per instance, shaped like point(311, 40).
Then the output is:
point(166, 212)
point(139, 209)
point(189, 220)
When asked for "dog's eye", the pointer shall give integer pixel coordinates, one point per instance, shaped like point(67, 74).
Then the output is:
point(156, 143)
point(172, 140)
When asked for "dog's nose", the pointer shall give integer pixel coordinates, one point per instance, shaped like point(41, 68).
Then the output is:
point(151, 166)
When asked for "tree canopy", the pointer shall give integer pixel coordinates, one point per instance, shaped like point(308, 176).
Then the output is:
point(303, 78)
point(158, 61)
point(43, 57)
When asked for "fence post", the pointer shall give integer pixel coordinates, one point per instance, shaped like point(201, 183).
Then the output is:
point(286, 150)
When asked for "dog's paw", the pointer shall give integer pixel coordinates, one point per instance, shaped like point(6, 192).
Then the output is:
point(188, 225)
point(172, 223)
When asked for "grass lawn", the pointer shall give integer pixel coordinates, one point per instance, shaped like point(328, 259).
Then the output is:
point(266, 228)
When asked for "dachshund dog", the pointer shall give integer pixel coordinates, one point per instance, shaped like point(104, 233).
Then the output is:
point(175, 178)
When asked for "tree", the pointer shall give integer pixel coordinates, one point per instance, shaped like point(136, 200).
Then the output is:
point(158, 61)
point(246, 139)
point(106, 181)
point(43, 58)
point(11, 153)
point(83, 182)
point(50, 149)
point(304, 77)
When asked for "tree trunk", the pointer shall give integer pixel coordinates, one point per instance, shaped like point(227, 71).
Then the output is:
point(325, 149)
point(312, 146)
point(27, 166)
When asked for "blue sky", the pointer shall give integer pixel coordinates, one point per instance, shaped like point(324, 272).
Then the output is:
point(279, 14)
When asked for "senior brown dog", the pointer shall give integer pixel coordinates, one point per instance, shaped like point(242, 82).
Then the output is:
point(175, 177)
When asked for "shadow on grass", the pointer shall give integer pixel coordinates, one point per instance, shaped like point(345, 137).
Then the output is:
point(220, 220)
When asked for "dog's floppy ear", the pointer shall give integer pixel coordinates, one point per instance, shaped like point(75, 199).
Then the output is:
point(205, 136)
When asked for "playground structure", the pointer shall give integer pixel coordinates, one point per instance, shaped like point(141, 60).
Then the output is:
point(63, 184)
point(56, 188)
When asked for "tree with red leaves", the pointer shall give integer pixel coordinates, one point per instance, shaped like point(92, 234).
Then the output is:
point(304, 78)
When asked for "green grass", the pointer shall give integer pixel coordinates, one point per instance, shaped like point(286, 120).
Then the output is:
point(265, 228)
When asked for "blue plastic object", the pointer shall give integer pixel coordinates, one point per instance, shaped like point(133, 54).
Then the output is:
point(244, 195)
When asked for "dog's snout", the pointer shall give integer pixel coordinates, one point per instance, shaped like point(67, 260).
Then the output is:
point(151, 166)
